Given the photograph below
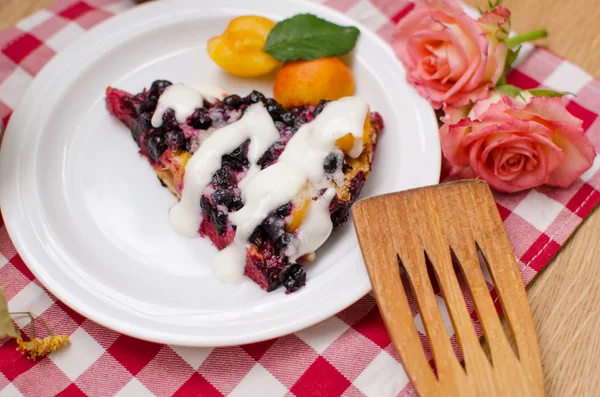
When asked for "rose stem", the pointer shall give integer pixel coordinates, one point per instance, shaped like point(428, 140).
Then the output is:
point(512, 42)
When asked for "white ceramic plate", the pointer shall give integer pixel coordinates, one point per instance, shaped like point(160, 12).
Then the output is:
point(90, 219)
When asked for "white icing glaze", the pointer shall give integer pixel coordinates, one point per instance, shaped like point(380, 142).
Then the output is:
point(302, 159)
point(315, 229)
point(210, 92)
point(257, 126)
point(182, 99)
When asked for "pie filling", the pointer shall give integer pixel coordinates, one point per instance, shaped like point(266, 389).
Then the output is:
point(265, 184)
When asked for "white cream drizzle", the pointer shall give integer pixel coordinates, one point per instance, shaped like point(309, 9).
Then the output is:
point(183, 100)
point(315, 229)
point(257, 126)
point(210, 92)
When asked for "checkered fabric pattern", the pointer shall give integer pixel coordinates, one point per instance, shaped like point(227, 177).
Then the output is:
point(349, 354)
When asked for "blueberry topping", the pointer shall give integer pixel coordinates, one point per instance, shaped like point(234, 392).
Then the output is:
point(223, 197)
point(319, 107)
point(292, 277)
point(266, 159)
point(236, 203)
point(149, 105)
point(255, 97)
point(232, 101)
point(145, 120)
point(274, 109)
point(161, 181)
point(222, 177)
point(332, 162)
point(175, 139)
point(283, 241)
point(284, 210)
point(144, 103)
point(220, 221)
point(158, 87)
point(205, 205)
point(236, 160)
point(127, 106)
point(200, 119)
point(156, 146)
point(168, 120)
point(257, 237)
point(289, 118)
point(141, 125)
point(274, 226)
point(139, 98)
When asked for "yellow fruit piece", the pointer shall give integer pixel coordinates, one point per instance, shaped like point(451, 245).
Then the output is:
point(302, 83)
point(184, 157)
point(346, 142)
point(260, 25)
point(367, 128)
point(298, 215)
point(239, 50)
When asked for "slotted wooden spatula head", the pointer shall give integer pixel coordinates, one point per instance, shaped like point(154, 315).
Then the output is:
point(437, 224)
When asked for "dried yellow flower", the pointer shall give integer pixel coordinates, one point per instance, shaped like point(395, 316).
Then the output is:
point(37, 347)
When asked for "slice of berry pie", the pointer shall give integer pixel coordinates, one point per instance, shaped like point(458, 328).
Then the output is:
point(266, 184)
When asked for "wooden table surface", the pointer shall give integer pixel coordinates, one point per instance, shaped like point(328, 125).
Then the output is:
point(565, 297)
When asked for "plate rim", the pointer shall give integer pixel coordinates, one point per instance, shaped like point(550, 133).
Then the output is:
point(11, 218)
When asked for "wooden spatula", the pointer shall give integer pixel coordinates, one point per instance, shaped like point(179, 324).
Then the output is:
point(435, 224)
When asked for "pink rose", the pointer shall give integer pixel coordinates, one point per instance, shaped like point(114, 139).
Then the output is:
point(451, 58)
point(517, 144)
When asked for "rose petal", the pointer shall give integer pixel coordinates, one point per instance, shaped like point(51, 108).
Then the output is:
point(498, 16)
point(454, 114)
point(482, 106)
point(522, 143)
point(498, 52)
point(568, 134)
point(579, 154)
point(466, 98)
point(551, 109)
point(448, 7)
point(469, 36)
point(501, 124)
point(451, 142)
point(404, 31)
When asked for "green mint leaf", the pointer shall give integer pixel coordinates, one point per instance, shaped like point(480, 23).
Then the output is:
point(550, 93)
point(307, 37)
point(509, 90)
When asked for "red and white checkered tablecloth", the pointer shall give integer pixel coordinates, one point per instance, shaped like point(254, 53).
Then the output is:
point(349, 354)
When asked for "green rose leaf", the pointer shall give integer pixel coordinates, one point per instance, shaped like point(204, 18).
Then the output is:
point(7, 328)
point(510, 90)
point(307, 37)
point(550, 93)
point(491, 6)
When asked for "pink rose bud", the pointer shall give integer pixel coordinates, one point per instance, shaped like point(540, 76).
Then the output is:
point(517, 143)
point(451, 58)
